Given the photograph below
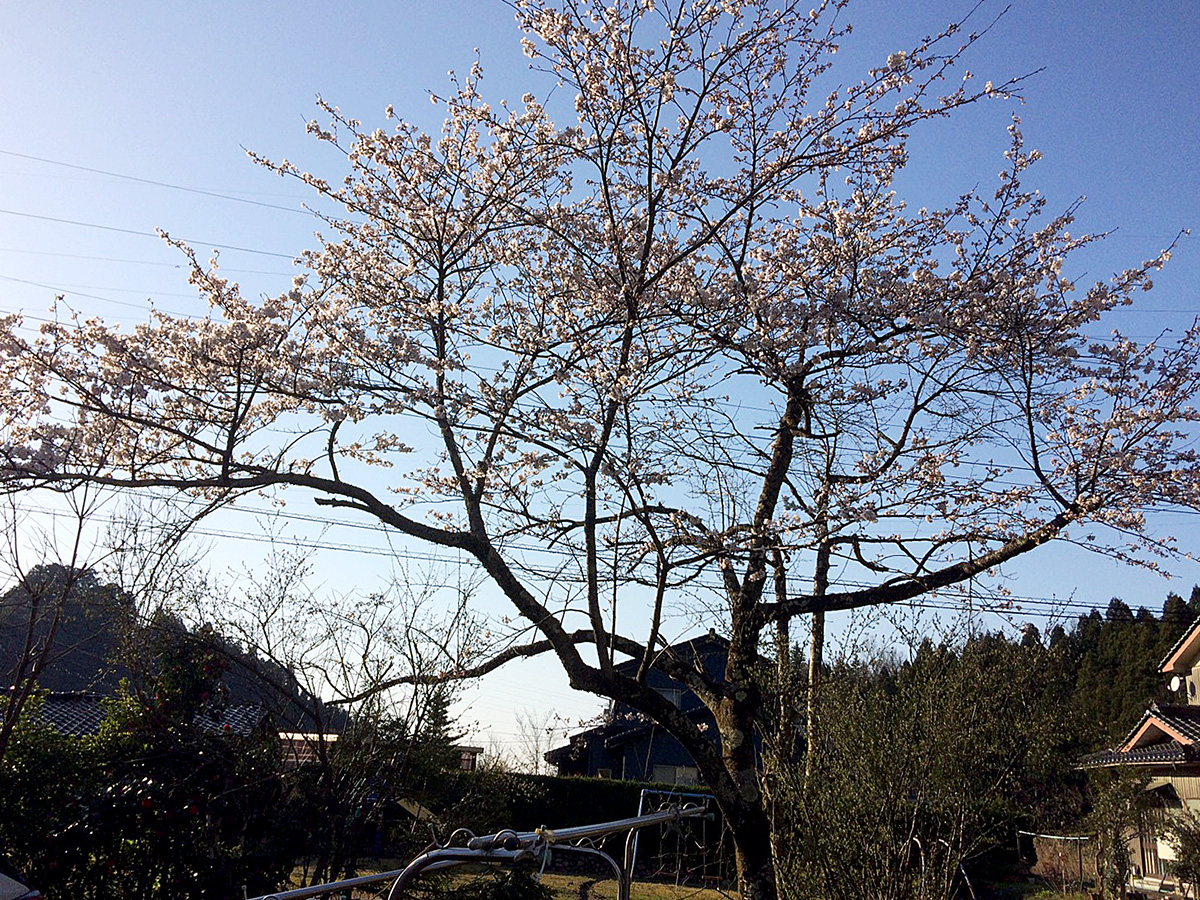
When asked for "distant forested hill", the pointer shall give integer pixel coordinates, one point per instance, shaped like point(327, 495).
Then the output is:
point(1114, 662)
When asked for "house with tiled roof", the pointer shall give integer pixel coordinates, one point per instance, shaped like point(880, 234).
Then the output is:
point(81, 713)
point(96, 642)
point(1164, 747)
point(627, 745)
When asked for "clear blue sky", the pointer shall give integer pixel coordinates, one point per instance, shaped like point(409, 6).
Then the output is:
point(172, 93)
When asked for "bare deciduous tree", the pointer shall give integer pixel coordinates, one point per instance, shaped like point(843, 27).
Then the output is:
point(51, 593)
point(537, 732)
point(327, 667)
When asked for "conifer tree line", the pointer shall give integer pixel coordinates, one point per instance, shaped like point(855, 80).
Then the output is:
point(928, 762)
point(1115, 658)
point(1103, 666)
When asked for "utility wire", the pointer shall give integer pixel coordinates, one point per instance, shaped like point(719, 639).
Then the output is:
point(26, 215)
point(49, 287)
point(149, 181)
point(136, 262)
point(77, 293)
point(1025, 606)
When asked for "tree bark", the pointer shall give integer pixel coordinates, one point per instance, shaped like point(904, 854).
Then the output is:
point(816, 657)
point(816, 660)
point(754, 856)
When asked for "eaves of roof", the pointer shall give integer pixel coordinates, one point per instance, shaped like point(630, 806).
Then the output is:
point(1179, 727)
point(1174, 662)
point(701, 645)
point(1184, 719)
point(624, 733)
point(1170, 753)
point(1179, 723)
point(576, 740)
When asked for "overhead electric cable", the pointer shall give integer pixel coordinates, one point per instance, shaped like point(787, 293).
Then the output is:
point(136, 262)
point(1023, 606)
point(150, 181)
point(25, 215)
point(71, 288)
point(50, 287)
point(74, 293)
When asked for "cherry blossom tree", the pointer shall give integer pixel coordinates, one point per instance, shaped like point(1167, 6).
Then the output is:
point(689, 351)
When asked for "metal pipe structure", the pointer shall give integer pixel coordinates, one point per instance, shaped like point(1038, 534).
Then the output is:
point(316, 890)
point(582, 832)
point(631, 841)
point(502, 848)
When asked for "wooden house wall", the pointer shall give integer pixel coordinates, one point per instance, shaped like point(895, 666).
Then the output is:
point(1187, 787)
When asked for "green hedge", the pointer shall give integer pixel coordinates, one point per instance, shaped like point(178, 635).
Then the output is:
point(524, 802)
point(486, 802)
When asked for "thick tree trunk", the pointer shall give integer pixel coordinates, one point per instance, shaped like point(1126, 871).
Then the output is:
point(733, 777)
point(742, 801)
point(746, 816)
point(755, 861)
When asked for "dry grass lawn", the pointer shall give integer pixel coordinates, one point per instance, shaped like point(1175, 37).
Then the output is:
point(569, 887)
point(565, 887)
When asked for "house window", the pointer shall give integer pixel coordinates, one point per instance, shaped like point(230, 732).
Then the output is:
point(604, 773)
point(676, 775)
point(468, 758)
point(672, 694)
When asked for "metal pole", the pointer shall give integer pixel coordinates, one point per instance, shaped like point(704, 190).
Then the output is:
point(447, 858)
point(623, 877)
point(631, 850)
point(505, 848)
point(1079, 847)
point(316, 889)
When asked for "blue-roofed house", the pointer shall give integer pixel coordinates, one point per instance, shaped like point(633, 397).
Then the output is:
point(628, 746)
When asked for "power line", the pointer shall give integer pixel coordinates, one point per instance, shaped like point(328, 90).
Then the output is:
point(138, 262)
point(1023, 606)
point(149, 181)
point(70, 287)
point(77, 293)
point(70, 293)
point(26, 215)
point(49, 287)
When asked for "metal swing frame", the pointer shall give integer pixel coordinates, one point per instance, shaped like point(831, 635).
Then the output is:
point(508, 847)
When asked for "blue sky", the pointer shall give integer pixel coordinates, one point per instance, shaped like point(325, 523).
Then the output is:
point(172, 94)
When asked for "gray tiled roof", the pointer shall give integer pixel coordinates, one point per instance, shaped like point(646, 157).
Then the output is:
point(241, 718)
point(1184, 720)
point(75, 714)
point(79, 713)
point(1169, 752)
